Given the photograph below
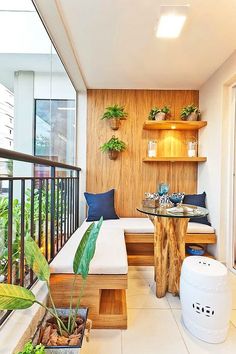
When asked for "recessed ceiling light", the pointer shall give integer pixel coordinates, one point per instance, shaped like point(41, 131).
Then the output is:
point(171, 21)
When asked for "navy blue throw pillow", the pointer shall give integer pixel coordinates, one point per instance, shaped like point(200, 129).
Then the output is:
point(101, 204)
point(198, 200)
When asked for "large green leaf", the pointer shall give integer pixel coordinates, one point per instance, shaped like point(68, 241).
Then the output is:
point(86, 249)
point(14, 297)
point(36, 260)
point(80, 250)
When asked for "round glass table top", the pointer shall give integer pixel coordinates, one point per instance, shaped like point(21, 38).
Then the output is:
point(181, 211)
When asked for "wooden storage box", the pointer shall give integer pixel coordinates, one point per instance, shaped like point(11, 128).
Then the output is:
point(150, 203)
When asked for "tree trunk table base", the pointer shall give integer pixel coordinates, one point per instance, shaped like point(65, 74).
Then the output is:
point(169, 252)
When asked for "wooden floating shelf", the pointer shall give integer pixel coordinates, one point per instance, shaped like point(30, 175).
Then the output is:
point(175, 159)
point(174, 125)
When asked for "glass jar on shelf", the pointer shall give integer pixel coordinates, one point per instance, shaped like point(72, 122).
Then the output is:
point(152, 148)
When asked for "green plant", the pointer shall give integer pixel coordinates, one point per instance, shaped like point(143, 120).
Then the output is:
point(156, 110)
point(115, 111)
point(13, 297)
point(29, 348)
point(113, 144)
point(186, 111)
point(4, 206)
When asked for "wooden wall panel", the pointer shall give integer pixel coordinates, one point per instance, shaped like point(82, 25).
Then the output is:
point(128, 174)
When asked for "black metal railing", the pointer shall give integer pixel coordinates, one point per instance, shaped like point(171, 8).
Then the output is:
point(45, 207)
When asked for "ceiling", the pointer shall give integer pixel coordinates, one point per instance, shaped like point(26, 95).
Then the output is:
point(115, 45)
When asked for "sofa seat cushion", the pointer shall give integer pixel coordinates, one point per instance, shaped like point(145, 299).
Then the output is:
point(144, 225)
point(196, 228)
point(110, 256)
point(130, 225)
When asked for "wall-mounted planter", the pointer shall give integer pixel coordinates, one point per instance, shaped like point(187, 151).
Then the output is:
point(114, 123)
point(113, 154)
point(113, 147)
point(114, 114)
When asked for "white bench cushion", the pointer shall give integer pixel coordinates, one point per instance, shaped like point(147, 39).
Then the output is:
point(144, 225)
point(197, 228)
point(110, 256)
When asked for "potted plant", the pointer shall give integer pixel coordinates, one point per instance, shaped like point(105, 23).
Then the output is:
point(159, 113)
point(60, 331)
point(114, 114)
point(190, 113)
point(113, 147)
point(29, 348)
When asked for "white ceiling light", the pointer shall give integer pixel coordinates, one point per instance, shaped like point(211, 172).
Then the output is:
point(171, 21)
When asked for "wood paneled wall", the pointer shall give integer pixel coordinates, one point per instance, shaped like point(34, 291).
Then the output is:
point(128, 174)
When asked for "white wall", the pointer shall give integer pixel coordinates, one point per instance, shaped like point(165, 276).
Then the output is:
point(216, 143)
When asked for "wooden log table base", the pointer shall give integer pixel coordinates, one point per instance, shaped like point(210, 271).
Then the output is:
point(169, 252)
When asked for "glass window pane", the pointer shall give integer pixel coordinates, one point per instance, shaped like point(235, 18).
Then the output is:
point(55, 130)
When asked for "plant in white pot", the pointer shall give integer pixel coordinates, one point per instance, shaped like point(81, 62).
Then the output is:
point(113, 147)
point(159, 113)
point(114, 114)
point(190, 113)
point(65, 327)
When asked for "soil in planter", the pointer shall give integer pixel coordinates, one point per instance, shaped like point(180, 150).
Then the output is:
point(49, 334)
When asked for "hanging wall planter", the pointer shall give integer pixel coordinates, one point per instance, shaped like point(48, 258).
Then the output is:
point(113, 147)
point(114, 114)
point(190, 113)
point(114, 123)
point(113, 154)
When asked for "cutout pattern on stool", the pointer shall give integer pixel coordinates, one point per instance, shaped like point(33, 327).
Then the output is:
point(203, 310)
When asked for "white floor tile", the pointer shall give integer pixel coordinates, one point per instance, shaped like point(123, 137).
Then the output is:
point(103, 342)
point(151, 332)
point(141, 272)
point(174, 301)
point(141, 294)
point(196, 346)
point(140, 286)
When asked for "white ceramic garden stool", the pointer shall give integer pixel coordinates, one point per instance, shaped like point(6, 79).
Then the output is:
point(205, 298)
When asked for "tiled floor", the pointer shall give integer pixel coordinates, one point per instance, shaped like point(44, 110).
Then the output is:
point(154, 325)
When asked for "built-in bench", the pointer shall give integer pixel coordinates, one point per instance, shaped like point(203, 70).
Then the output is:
point(105, 293)
point(139, 236)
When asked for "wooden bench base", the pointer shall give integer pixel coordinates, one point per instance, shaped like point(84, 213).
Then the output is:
point(140, 246)
point(105, 296)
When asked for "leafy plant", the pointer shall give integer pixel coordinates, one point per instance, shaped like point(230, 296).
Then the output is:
point(13, 297)
point(29, 348)
point(17, 223)
point(113, 144)
point(186, 111)
point(156, 110)
point(115, 111)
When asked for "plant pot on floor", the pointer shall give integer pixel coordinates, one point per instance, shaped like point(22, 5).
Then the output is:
point(47, 334)
point(113, 154)
point(160, 116)
point(114, 123)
